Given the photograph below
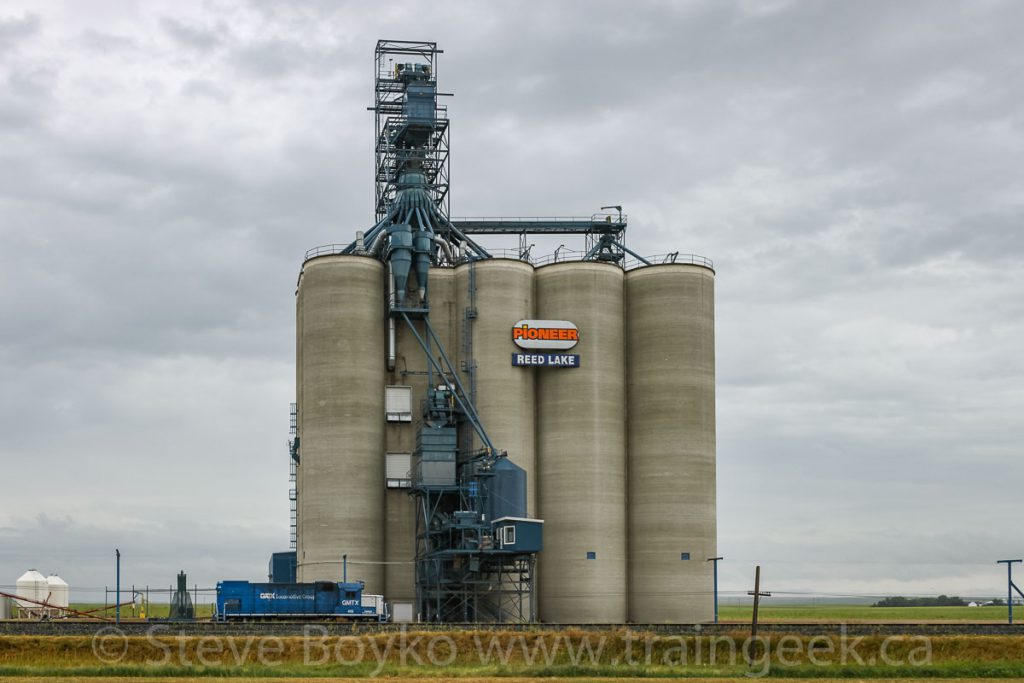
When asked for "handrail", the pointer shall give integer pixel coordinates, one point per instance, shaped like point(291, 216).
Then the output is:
point(563, 255)
point(325, 250)
point(671, 257)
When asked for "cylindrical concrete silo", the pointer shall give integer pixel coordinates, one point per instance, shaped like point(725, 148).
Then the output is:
point(341, 419)
point(670, 321)
point(581, 449)
point(410, 363)
point(504, 394)
point(443, 316)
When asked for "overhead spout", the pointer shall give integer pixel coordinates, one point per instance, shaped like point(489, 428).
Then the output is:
point(446, 248)
point(423, 248)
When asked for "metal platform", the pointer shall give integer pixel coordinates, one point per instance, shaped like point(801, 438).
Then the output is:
point(597, 224)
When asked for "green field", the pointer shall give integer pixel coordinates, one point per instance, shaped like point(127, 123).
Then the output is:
point(463, 654)
point(474, 679)
point(866, 613)
point(768, 613)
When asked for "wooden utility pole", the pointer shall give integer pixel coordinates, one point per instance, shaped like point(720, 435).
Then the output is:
point(757, 601)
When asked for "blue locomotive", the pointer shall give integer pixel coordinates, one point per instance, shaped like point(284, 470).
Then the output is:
point(242, 600)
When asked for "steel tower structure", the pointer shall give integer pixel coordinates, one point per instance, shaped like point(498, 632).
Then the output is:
point(404, 91)
point(470, 565)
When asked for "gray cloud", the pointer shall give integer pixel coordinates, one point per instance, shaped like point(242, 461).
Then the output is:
point(14, 30)
point(853, 170)
point(192, 36)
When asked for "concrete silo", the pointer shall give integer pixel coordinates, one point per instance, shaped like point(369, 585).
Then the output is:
point(400, 439)
point(581, 449)
point(491, 297)
point(670, 352)
point(340, 399)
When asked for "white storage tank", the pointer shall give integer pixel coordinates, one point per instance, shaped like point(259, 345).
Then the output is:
point(33, 587)
point(59, 591)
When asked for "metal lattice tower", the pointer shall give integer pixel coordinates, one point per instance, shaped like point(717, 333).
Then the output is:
point(401, 68)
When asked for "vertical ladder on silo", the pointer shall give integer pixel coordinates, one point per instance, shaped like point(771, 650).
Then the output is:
point(293, 462)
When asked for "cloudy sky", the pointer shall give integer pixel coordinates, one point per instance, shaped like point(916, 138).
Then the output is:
point(853, 168)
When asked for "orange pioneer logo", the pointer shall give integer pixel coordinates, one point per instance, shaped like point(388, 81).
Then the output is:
point(552, 333)
point(545, 334)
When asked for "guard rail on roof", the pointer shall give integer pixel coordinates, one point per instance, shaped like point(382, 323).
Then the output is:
point(560, 256)
point(325, 250)
point(671, 257)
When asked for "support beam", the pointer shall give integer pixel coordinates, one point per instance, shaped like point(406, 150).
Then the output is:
point(1010, 587)
point(460, 394)
point(716, 560)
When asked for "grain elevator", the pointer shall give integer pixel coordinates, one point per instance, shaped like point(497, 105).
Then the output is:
point(496, 436)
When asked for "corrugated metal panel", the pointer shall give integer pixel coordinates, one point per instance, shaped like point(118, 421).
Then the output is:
point(398, 403)
point(396, 469)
